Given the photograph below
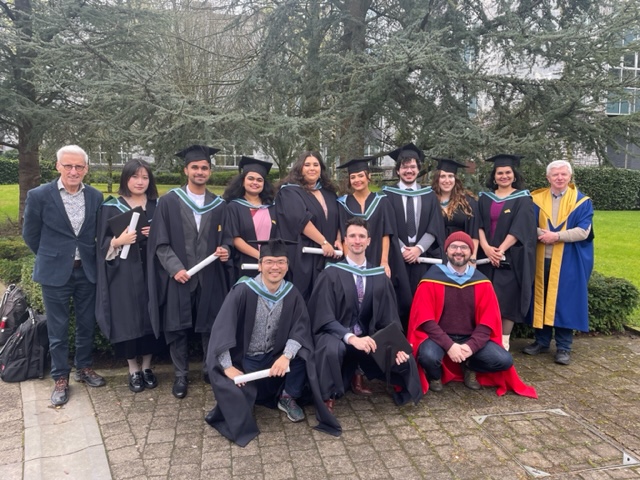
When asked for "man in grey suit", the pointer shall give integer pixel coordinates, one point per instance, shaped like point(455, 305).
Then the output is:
point(187, 228)
point(60, 228)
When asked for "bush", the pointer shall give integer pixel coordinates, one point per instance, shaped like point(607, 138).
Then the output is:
point(13, 248)
point(610, 188)
point(611, 301)
point(10, 271)
point(8, 171)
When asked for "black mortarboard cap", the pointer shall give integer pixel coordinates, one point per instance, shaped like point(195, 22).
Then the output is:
point(248, 164)
point(505, 160)
point(389, 341)
point(195, 153)
point(448, 165)
point(407, 151)
point(274, 247)
point(357, 165)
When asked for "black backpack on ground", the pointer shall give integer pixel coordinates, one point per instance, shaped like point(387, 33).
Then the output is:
point(25, 353)
point(13, 312)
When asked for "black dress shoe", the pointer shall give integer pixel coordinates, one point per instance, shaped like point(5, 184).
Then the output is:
point(136, 384)
point(470, 380)
point(90, 377)
point(180, 387)
point(534, 349)
point(60, 394)
point(435, 385)
point(149, 378)
point(563, 357)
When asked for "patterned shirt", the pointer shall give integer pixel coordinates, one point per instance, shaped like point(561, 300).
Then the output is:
point(74, 206)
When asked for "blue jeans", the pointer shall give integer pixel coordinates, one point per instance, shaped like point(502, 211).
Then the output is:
point(490, 358)
point(293, 381)
point(56, 303)
point(564, 337)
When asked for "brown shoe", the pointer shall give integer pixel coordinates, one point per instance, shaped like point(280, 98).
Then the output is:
point(330, 404)
point(60, 394)
point(357, 385)
point(470, 380)
point(90, 377)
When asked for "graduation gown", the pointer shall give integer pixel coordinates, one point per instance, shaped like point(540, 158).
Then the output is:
point(295, 207)
point(240, 224)
point(566, 303)
point(170, 301)
point(233, 413)
point(513, 285)
point(121, 294)
point(378, 215)
point(406, 279)
point(428, 305)
point(460, 222)
point(335, 298)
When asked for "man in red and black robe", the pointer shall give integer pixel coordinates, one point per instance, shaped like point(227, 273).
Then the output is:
point(456, 329)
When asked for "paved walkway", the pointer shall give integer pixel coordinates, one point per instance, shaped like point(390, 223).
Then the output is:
point(585, 425)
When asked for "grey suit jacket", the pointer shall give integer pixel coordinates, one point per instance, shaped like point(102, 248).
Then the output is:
point(47, 231)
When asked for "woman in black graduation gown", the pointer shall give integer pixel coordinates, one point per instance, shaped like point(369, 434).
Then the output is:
point(251, 214)
point(508, 229)
point(458, 207)
point(373, 207)
point(122, 298)
point(307, 213)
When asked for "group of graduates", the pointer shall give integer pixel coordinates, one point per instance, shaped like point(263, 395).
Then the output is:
point(383, 263)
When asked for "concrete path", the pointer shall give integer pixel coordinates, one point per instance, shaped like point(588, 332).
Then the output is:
point(585, 425)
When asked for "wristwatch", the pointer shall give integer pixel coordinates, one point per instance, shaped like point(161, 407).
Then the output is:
point(325, 242)
point(472, 260)
point(288, 355)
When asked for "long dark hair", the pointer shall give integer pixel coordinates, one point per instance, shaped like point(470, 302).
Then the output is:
point(235, 189)
point(295, 174)
point(129, 170)
point(458, 197)
point(518, 179)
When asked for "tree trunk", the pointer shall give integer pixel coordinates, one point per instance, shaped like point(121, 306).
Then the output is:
point(28, 167)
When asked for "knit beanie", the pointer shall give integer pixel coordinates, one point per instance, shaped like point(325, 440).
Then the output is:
point(458, 237)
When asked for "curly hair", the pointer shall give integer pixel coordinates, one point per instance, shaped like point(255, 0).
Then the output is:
point(235, 189)
point(295, 174)
point(129, 170)
point(458, 198)
point(518, 180)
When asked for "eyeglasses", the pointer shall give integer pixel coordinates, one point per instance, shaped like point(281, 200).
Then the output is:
point(462, 248)
point(78, 168)
point(271, 263)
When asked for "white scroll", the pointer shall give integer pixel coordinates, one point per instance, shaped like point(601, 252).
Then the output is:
point(250, 377)
point(195, 269)
point(249, 266)
point(133, 223)
point(318, 251)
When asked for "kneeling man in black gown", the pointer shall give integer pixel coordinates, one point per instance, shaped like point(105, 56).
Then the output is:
point(350, 302)
point(263, 325)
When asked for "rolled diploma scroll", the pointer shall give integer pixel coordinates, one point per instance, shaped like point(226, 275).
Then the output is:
point(249, 266)
point(250, 377)
point(318, 251)
point(435, 261)
point(133, 223)
point(195, 269)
